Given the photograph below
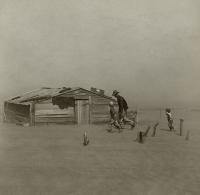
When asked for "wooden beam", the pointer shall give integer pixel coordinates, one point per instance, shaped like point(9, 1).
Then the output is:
point(181, 126)
point(90, 109)
point(32, 114)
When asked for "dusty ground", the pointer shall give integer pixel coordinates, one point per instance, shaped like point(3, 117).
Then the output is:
point(51, 160)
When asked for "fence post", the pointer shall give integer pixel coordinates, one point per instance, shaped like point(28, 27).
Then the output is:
point(181, 127)
point(154, 129)
point(140, 137)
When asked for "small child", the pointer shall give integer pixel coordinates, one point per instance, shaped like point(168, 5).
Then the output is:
point(169, 118)
point(113, 117)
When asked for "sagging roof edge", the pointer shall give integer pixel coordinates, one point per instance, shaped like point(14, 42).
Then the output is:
point(56, 95)
point(25, 103)
point(104, 96)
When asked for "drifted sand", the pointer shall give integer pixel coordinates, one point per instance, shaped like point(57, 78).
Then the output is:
point(51, 160)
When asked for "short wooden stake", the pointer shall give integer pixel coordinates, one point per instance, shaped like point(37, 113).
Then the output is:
point(85, 139)
point(181, 127)
point(154, 129)
point(147, 131)
point(140, 137)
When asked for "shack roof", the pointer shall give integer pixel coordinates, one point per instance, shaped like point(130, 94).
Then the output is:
point(47, 93)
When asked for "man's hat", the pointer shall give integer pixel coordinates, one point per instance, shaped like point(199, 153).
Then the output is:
point(115, 92)
point(168, 110)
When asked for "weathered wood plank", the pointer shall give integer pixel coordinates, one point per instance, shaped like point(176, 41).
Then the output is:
point(12, 112)
point(95, 112)
point(100, 121)
point(81, 97)
point(49, 106)
point(45, 109)
point(98, 99)
point(51, 112)
point(76, 96)
point(16, 118)
point(100, 114)
point(53, 120)
point(76, 92)
point(100, 111)
point(100, 104)
point(48, 101)
point(55, 115)
point(46, 106)
point(101, 117)
point(32, 114)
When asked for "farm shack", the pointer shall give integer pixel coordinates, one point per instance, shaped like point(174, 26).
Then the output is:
point(58, 105)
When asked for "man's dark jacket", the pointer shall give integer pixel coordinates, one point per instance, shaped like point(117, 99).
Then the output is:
point(122, 104)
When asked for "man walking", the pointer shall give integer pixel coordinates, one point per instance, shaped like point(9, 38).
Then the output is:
point(123, 107)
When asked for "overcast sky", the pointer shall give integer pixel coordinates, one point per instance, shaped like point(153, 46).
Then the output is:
point(149, 50)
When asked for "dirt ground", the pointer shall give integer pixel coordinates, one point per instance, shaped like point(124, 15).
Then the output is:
point(51, 160)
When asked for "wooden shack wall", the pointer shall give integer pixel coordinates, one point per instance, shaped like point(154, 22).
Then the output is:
point(99, 109)
point(46, 112)
point(98, 105)
point(16, 113)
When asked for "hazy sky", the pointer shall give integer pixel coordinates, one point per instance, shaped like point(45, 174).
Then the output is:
point(149, 50)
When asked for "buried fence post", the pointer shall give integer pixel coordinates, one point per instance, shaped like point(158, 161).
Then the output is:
point(154, 129)
point(147, 131)
point(85, 139)
point(140, 137)
point(181, 127)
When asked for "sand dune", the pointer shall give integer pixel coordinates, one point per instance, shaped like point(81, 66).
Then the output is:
point(52, 160)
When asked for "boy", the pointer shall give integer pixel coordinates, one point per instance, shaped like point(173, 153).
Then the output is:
point(169, 118)
point(113, 117)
